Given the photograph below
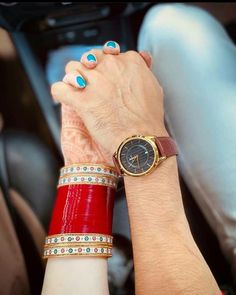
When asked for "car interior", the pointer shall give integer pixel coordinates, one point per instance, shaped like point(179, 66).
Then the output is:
point(37, 40)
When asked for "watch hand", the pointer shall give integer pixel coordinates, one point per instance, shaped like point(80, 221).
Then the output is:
point(138, 161)
point(133, 158)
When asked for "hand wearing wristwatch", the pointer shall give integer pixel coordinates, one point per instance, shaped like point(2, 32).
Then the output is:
point(139, 155)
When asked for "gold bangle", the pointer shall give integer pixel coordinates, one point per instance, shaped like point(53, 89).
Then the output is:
point(78, 237)
point(77, 245)
point(78, 251)
point(88, 168)
point(88, 179)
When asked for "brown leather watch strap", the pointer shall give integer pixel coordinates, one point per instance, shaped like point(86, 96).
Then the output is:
point(167, 146)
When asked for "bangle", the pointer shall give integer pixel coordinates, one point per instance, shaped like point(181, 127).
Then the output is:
point(88, 168)
point(78, 238)
point(81, 222)
point(82, 208)
point(78, 244)
point(88, 179)
point(78, 251)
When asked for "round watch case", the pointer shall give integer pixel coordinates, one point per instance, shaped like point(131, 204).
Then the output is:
point(138, 155)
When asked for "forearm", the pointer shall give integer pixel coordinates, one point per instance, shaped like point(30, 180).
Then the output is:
point(166, 258)
point(79, 240)
point(76, 275)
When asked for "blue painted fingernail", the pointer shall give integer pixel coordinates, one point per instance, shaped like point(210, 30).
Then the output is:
point(111, 44)
point(81, 82)
point(91, 58)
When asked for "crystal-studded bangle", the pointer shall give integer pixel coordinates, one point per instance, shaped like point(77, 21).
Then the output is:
point(92, 179)
point(81, 168)
point(79, 250)
point(54, 240)
point(78, 244)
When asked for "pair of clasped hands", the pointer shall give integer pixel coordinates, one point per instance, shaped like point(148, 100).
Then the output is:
point(106, 97)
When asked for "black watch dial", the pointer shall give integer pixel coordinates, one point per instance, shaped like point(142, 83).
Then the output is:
point(137, 156)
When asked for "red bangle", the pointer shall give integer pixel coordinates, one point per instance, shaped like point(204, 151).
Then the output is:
point(83, 208)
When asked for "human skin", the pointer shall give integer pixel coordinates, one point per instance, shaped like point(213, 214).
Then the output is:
point(123, 98)
point(76, 142)
point(79, 147)
point(79, 275)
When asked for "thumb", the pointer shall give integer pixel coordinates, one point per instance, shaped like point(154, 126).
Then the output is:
point(147, 58)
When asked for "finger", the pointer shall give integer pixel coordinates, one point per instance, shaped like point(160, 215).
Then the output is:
point(75, 79)
point(75, 65)
point(65, 93)
point(147, 58)
point(111, 47)
point(89, 60)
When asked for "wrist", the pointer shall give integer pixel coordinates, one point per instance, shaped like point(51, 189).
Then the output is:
point(166, 171)
point(155, 204)
point(158, 194)
point(85, 196)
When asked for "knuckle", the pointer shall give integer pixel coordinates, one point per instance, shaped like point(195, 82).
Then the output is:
point(95, 76)
point(70, 65)
point(132, 54)
point(112, 61)
point(55, 89)
point(96, 51)
point(110, 58)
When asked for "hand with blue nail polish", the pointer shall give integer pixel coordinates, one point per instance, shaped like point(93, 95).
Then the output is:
point(122, 97)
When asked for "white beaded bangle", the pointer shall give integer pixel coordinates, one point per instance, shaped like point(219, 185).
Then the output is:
point(88, 168)
point(88, 179)
point(78, 238)
point(78, 251)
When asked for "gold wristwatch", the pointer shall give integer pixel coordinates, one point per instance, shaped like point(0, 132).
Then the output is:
point(139, 155)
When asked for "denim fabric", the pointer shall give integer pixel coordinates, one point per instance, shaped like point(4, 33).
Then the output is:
point(195, 62)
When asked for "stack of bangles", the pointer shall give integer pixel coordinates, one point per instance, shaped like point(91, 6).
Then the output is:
point(81, 223)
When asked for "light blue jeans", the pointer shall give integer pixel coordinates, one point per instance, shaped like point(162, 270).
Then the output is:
point(195, 62)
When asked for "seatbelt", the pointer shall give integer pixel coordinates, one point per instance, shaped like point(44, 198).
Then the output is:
point(33, 262)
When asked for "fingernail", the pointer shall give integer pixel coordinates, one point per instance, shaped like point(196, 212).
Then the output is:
point(91, 58)
point(111, 44)
point(81, 82)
